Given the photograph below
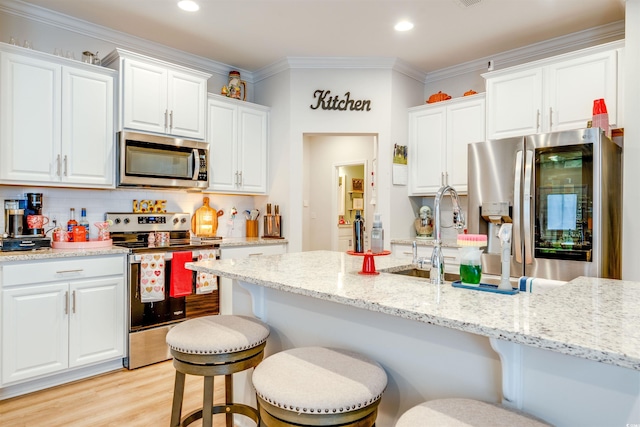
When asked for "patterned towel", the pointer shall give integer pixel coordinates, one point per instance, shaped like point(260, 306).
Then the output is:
point(206, 282)
point(152, 277)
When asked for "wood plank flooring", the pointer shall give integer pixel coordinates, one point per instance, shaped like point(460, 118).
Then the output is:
point(138, 398)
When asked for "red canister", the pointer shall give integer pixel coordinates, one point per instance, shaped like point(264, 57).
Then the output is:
point(79, 234)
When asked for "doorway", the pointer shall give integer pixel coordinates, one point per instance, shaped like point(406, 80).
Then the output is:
point(323, 154)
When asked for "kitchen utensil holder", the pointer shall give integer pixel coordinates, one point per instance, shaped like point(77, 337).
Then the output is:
point(252, 228)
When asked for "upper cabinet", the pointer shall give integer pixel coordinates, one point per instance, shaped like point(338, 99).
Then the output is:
point(438, 137)
point(57, 121)
point(160, 97)
point(238, 136)
point(553, 94)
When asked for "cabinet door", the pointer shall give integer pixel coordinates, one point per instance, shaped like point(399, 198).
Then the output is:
point(96, 325)
point(187, 103)
point(573, 85)
point(34, 331)
point(87, 128)
point(252, 146)
point(427, 150)
point(222, 134)
point(514, 104)
point(145, 96)
point(465, 124)
point(30, 119)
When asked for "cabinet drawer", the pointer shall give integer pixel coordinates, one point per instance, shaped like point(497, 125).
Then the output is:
point(61, 270)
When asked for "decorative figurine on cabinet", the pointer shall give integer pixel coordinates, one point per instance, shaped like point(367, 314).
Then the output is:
point(424, 224)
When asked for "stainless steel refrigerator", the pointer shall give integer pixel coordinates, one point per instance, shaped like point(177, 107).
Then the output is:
point(562, 192)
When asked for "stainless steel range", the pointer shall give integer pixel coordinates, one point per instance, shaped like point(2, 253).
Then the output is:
point(165, 235)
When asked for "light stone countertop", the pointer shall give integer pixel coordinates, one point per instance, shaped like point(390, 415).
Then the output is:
point(228, 242)
point(38, 254)
point(590, 318)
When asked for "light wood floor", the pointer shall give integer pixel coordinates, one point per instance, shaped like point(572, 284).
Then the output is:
point(141, 397)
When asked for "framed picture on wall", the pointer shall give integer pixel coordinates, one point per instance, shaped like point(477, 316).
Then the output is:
point(357, 184)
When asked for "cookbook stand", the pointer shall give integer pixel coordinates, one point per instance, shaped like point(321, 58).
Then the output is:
point(368, 264)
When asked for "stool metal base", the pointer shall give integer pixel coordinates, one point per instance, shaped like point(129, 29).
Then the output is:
point(209, 366)
point(273, 416)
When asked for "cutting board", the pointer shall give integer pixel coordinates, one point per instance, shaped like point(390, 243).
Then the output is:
point(204, 222)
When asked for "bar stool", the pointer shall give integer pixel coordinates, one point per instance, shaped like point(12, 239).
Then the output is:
point(318, 386)
point(465, 413)
point(210, 346)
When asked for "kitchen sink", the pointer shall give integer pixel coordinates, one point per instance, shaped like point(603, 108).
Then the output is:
point(425, 274)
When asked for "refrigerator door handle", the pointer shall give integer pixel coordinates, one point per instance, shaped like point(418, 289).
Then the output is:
point(517, 202)
point(526, 207)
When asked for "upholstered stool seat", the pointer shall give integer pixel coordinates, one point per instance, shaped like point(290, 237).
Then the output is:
point(210, 346)
point(465, 413)
point(317, 386)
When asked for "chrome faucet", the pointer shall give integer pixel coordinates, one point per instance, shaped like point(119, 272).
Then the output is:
point(419, 261)
point(437, 259)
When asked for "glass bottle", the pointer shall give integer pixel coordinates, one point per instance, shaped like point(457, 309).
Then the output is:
point(71, 223)
point(84, 222)
point(358, 234)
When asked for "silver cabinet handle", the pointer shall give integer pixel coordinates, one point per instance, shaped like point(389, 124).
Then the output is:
point(69, 271)
point(537, 120)
point(73, 304)
point(166, 112)
point(257, 254)
point(58, 164)
point(550, 118)
point(171, 120)
point(240, 176)
point(236, 178)
point(65, 165)
point(66, 302)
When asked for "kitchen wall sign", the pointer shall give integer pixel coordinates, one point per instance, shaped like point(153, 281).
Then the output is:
point(325, 101)
point(149, 206)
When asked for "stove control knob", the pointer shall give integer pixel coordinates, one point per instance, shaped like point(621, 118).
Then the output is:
point(116, 221)
point(175, 220)
point(183, 220)
point(126, 220)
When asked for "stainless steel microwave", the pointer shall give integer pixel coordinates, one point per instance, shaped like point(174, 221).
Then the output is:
point(146, 160)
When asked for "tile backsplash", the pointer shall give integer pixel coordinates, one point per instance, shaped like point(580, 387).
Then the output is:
point(57, 202)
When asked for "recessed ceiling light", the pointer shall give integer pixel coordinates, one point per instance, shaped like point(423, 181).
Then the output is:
point(403, 26)
point(188, 5)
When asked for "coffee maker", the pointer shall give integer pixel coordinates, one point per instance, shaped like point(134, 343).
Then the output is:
point(17, 235)
point(34, 207)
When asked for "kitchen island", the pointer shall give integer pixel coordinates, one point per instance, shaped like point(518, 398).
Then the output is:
point(570, 356)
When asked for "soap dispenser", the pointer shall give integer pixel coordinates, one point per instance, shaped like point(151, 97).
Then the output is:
point(377, 235)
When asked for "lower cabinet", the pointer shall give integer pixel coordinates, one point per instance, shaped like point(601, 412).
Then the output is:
point(237, 252)
point(345, 238)
point(58, 315)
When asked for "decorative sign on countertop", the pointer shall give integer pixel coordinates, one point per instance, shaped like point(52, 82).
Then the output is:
point(149, 206)
point(327, 102)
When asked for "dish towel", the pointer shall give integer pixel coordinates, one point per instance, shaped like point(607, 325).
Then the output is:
point(206, 282)
point(181, 281)
point(537, 285)
point(152, 277)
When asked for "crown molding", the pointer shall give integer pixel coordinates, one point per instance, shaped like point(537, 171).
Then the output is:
point(339, 62)
point(118, 38)
point(547, 48)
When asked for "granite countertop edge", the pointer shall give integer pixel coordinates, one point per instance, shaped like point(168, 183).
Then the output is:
point(59, 253)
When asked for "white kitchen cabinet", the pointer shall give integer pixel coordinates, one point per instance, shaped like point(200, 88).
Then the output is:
point(238, 137)
point(552, 94)
point(61, 314)
point(345, 238)
point(160, 97)
point(56, 127)
point(239, 252)
point(438, 137)
point(451, 256)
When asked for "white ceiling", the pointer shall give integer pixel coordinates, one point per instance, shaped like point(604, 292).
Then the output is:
point(252, 34)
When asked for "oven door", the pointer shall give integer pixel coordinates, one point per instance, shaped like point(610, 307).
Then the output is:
point(151, 160)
